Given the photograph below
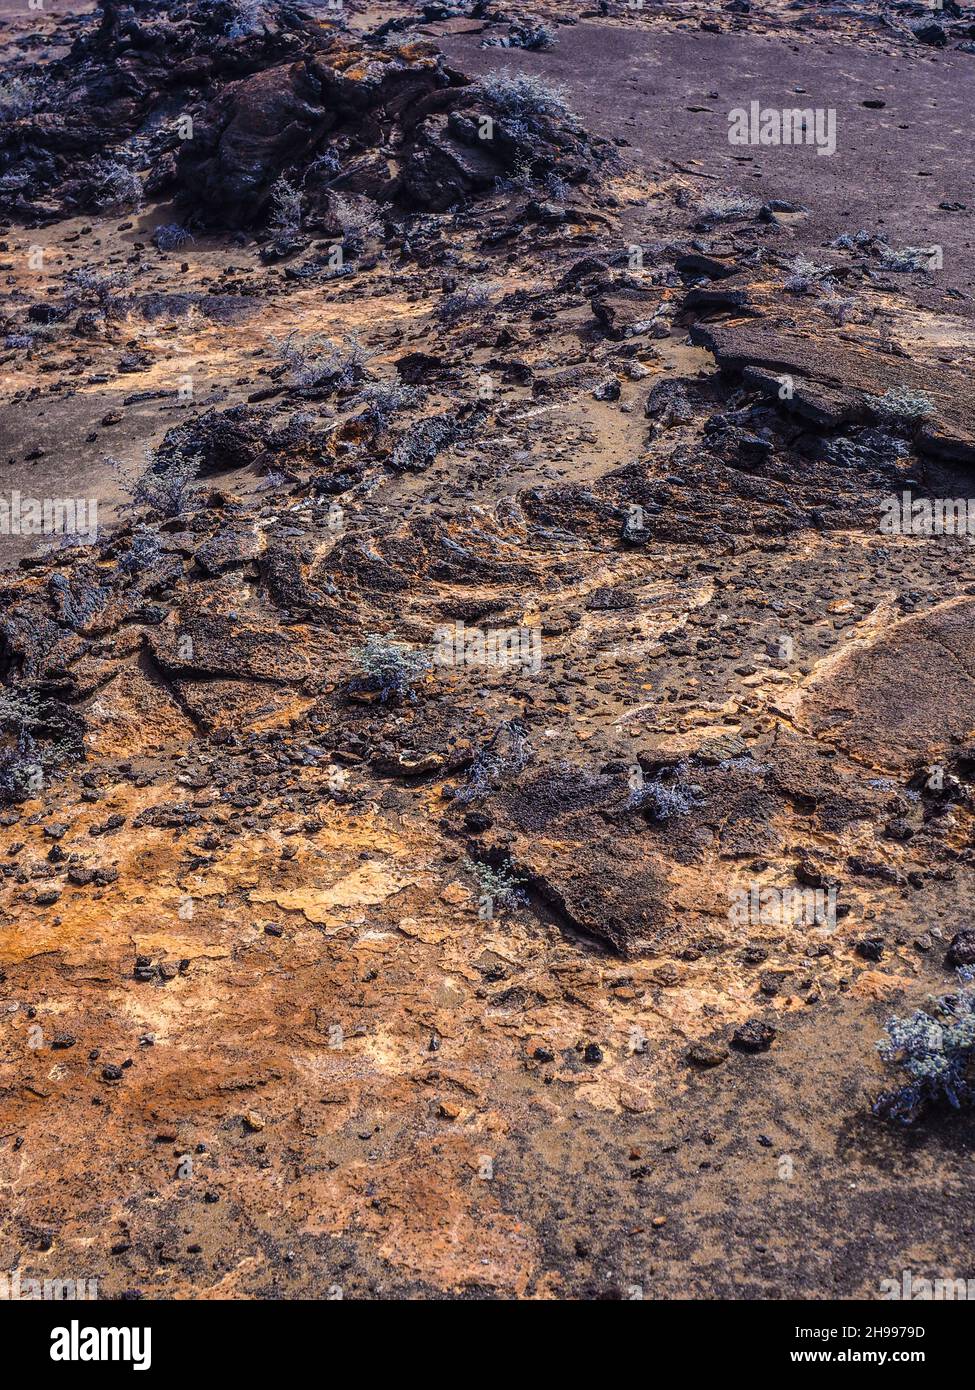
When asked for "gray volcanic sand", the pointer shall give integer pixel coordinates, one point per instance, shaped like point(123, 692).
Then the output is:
point(891, 169)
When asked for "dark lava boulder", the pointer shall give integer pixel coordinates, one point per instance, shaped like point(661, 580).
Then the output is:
point(287, 96)
point(221, 440)
point(754, 1036)
point(398, 126)
point(961, 951)
point(246, 137)
point(332, 108)
point(101, 117)
point(444, 163)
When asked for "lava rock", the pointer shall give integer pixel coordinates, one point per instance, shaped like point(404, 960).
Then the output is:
point(754, 1036)
point(707, 1055)
point(870, 947)
point(961, 950)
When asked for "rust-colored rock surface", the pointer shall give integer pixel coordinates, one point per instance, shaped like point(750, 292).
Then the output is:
point(486, 744)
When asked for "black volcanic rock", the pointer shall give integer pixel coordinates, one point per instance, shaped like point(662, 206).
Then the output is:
point(246, 137)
